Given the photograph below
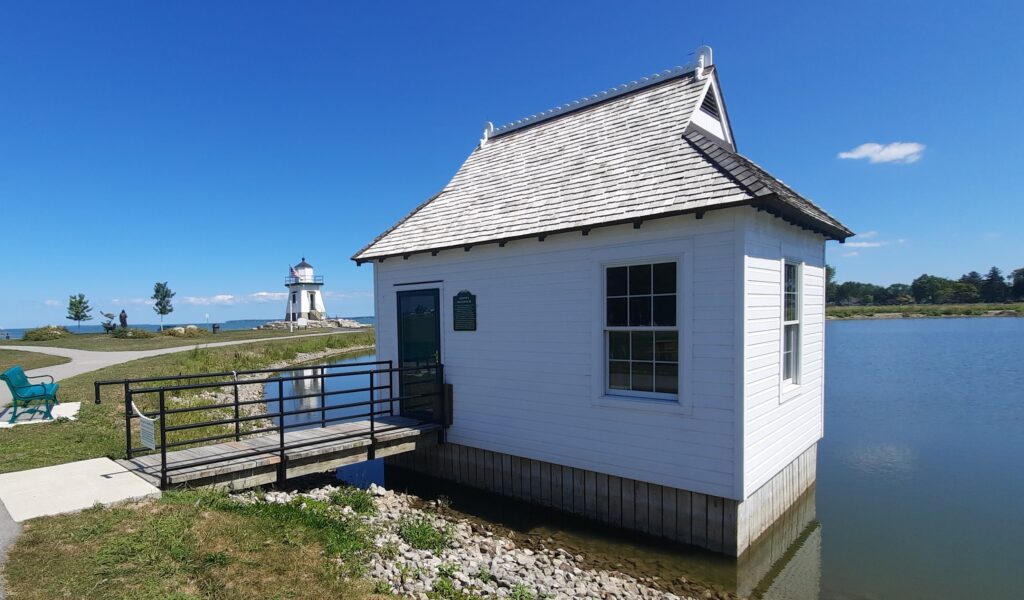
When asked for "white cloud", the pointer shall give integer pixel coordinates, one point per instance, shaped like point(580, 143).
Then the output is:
point(51, 303)
point(865, 244)
point(267, 296)
point(210, 300)
point(898, 152)
point(867, 235)
point(263, 297)
point(133, 302)
point(851, 254)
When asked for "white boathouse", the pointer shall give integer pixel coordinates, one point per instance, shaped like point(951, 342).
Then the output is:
point(630, 313)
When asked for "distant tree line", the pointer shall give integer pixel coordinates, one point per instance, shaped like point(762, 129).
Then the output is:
point(971, 288)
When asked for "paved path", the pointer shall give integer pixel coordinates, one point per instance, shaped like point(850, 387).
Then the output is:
point(83, 361)
point(8, 531)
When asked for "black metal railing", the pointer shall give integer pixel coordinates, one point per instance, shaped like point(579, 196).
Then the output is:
point(293, 280)
point(227, 421)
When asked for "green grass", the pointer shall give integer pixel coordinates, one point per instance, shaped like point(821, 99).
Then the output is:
point(28, 360)
point(927, 310)
point(99, 429)
point(191, 546)
point(106, 343)
point(421, 533)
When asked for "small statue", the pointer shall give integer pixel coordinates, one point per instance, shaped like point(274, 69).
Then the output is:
point(124, 319)
point(108, 325)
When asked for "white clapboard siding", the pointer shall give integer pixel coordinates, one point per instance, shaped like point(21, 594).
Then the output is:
point(779, 423)
point(530, 381)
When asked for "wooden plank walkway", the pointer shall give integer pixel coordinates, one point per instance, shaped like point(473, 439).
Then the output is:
point(394, 435)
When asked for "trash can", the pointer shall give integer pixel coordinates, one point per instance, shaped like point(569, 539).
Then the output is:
point(216, 327)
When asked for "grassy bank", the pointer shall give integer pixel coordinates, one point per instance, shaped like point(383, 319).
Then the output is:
point(106, 343)
point(192, 546)
point(99, 430)
point(925, 310)
point(28, 360)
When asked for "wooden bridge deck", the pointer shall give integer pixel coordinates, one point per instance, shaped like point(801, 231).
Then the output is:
point(394, 435)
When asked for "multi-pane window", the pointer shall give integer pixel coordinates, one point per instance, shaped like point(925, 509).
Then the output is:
point(791, 323)
point(641, 332)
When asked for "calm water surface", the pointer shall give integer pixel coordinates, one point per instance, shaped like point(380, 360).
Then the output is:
point(920, 478)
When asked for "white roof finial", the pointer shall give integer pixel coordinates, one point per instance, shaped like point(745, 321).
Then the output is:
point(704, 60)
point(488, 130)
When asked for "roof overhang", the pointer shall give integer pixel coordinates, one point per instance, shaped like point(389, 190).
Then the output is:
point(768, 203)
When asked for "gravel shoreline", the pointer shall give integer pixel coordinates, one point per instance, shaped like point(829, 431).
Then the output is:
point(473, 561)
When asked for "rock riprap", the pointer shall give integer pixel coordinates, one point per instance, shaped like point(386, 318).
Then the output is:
point(419, 551)
point(316, 324)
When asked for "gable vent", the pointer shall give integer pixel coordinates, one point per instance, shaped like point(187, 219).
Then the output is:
point(710, 105)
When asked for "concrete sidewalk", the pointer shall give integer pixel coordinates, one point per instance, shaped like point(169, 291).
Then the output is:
point(84, 361)
point(69, 487)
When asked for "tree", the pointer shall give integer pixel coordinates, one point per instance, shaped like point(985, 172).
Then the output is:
point(1017, 277)
point(994, 289)
point(79, 309)
point(831, 288)
point(162, 296)
point(929, 289)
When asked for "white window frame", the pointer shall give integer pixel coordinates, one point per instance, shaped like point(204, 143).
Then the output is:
point(608, 391)
point(797, 352)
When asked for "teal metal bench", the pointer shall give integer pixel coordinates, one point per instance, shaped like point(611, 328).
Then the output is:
point(31, 397)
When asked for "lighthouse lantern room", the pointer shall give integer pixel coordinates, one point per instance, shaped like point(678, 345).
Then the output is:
point(304, 298)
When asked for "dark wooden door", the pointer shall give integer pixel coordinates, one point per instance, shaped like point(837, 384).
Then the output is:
point(419, 351)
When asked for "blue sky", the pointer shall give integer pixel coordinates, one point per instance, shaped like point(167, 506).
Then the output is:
point(213, 144)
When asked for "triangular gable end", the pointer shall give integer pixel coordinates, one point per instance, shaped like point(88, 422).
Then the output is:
point(710, 115)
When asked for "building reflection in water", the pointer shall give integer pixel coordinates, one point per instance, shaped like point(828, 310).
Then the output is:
point(785, 562)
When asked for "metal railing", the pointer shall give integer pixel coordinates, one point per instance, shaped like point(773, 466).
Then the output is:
point(429, 380)
point(293, 280)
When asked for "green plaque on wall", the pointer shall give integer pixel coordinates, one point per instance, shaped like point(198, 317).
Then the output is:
point(464, 311)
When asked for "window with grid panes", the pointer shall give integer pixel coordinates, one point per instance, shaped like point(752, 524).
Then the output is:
point(641, 330)
point(791, 323)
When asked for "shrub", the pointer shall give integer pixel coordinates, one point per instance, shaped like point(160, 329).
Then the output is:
point(186, 332)
point(45, 334)
point(521, 592)
point(132, 333)
point(358, 500)
point(421, 533)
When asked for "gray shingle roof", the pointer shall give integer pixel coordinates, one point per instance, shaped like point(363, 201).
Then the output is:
point(625, 159)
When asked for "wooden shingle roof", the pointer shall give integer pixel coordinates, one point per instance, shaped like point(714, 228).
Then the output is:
point(630, 158)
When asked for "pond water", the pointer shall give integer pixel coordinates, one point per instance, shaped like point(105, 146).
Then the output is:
point(920, 479)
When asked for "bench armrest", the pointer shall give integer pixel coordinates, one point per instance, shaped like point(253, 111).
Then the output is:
point(39, 377)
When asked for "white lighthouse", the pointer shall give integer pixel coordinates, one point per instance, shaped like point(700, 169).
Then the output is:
point(304, 298)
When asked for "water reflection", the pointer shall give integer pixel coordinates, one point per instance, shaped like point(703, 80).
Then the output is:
point(321, 392)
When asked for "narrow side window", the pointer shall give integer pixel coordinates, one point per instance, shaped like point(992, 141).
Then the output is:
point(791, 306)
